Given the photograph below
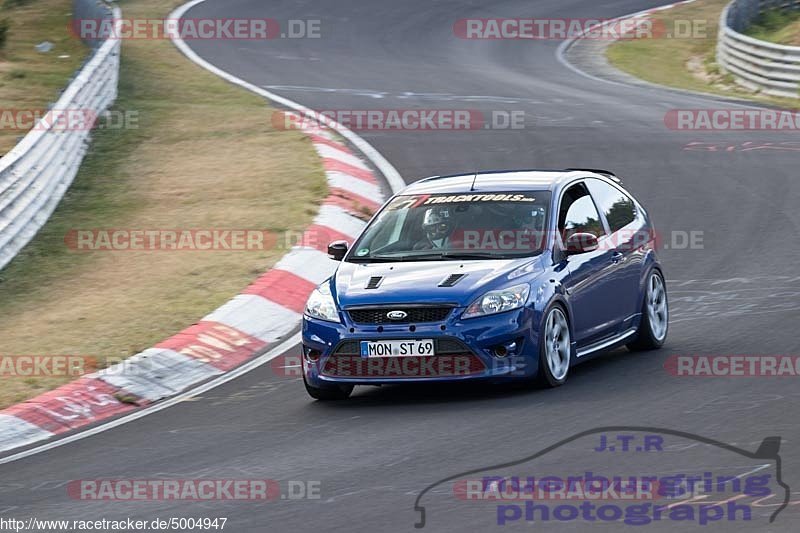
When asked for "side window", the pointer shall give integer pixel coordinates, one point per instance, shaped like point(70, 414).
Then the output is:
point(578, 214)
point(617, 207)
point(387, 229)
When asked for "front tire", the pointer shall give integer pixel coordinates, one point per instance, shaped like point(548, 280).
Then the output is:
point(555, 348)
point(328, 394)
point(654, 324)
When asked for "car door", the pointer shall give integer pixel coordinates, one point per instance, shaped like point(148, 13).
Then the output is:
point(595, 313)
point(626, 229)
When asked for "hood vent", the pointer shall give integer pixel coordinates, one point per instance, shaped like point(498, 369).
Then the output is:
point(452, 279)
point(374, 282)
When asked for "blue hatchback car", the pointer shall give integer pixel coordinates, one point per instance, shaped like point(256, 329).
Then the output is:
point(507, 275)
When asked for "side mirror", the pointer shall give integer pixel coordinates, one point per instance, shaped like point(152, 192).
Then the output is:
point(337, 250)
point(580, 243)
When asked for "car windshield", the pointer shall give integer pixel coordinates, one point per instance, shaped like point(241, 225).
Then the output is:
point(479, 225)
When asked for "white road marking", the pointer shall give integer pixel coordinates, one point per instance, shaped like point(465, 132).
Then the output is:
point(405, 95)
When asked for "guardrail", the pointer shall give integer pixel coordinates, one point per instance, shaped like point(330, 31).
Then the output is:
point(36, 173)
point(758, 65)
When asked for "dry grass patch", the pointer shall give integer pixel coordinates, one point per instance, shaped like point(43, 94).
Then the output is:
point(31, 79)
point(204, 155)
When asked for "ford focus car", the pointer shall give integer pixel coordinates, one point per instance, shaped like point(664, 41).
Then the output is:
point(497, 276)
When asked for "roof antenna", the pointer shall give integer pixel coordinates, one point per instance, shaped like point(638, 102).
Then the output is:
point(472, 188)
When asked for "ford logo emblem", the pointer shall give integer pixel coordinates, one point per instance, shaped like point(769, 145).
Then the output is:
point(396, 315)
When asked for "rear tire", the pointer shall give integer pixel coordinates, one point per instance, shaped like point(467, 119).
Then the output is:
point(654, 324)
point(555, 348)
point(329, 394)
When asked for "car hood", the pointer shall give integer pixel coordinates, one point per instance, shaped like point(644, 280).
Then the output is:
point(419, 282)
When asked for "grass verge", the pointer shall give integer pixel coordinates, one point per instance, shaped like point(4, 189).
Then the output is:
point(685, 63)
point(203, 155)
point(30, 79)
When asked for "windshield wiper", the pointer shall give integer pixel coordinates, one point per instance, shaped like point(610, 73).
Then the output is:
point(378, 259)
point(435, 256)
point(410, 257)
point(471, 255)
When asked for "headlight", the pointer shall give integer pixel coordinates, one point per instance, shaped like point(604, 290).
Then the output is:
point(321, 305)
point(499, 301)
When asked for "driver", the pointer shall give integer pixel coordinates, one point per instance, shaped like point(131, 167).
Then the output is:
point(437, 226)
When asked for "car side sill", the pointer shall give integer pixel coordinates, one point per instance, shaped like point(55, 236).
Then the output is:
point(605, 344)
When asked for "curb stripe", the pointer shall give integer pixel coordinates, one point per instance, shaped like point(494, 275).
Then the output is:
point(157, 373)
point(345, 182)
point(308, 263)
point(327, 141)
point(361, 208)
point(256, 316)
point(71, 406)
point(319, 237)
point(16, 432)
point(338, 194)
point(328, 152)
point(283, 288)
point(337, 165)
point(339, 220)
point(214, 343)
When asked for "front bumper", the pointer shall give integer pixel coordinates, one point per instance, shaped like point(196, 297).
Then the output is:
point(464, 350)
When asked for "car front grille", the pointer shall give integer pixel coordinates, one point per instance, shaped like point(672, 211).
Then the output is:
point(414, 315)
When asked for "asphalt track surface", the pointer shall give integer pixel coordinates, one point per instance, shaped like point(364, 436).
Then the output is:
point(738, 294)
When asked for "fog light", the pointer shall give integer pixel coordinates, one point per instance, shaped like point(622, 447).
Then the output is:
point(503, 350)
point(312, 354)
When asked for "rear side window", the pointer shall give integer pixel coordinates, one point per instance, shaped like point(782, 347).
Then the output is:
point(617, 206)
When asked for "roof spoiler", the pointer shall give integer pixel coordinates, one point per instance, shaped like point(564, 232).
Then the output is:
point(606, 173)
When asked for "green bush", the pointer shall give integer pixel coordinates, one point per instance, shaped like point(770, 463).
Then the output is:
point(14, 3)
point(5, 23)
point(773, 20)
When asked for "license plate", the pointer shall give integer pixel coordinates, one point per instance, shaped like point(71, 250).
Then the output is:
point(409, 348)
